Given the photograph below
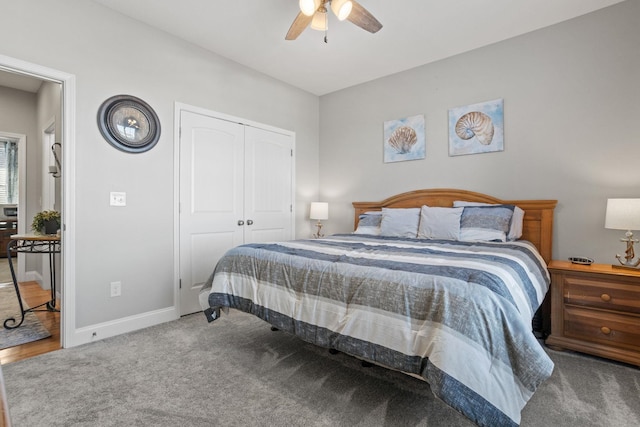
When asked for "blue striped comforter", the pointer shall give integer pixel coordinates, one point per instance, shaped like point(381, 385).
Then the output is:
point(457, 314)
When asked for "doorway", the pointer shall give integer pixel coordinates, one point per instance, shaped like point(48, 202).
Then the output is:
point(18, 72)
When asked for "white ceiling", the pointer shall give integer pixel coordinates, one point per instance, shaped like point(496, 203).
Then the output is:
point(415, 32)
point(20, 82)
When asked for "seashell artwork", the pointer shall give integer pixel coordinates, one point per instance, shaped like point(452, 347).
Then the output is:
point(475, 124)
point(476, 128)
point(404, 139)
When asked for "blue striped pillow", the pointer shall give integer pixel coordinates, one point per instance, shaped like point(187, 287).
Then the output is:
point(486, 223)
point(369, 223)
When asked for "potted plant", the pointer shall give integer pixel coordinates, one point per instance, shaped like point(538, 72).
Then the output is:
point(46, 222)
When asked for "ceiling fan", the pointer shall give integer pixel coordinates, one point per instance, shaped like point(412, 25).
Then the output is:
point(314, 12)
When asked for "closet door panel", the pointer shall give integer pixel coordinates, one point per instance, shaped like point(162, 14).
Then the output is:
point(268, 185)
point(211, 199)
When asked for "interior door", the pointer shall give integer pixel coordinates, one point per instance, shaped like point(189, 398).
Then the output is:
point(211, 199)
point(268, 201)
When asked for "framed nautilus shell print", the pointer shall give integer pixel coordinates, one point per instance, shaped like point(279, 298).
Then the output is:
point(476, 128)
point(404, 139)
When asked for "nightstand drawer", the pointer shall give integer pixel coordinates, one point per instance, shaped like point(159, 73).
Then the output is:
point(596, 326)
point(605, 294)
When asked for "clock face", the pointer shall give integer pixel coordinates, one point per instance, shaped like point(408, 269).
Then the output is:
point(128, 123)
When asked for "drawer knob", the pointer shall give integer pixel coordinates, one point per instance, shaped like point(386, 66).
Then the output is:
point(605, 297)
point(605, 330)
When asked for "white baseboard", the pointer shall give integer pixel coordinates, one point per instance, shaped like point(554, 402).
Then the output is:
point(121, 326)
point(109, 329)
point(35, 276)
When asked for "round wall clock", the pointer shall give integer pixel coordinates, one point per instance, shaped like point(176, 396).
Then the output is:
point(128, 123)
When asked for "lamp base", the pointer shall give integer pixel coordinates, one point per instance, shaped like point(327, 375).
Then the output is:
point(627, 261)
point(626, 267)
point(318, 234)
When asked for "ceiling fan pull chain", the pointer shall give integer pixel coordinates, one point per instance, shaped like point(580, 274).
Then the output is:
point(326, 27)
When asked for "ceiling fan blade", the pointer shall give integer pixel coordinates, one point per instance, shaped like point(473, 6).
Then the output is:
point(299, 24)
point(363, 19)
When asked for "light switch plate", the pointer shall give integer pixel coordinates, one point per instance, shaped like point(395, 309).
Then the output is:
point(117, 198)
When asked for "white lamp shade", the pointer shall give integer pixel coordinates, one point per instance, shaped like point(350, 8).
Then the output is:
point(319, 21)
point(309, 7)
point(623, 214)
point(319, 210)
point(341, 8)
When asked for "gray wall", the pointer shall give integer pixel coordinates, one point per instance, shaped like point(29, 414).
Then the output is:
point(49, 107)
point(18, 114)
point(571, 101)
point(110, 54)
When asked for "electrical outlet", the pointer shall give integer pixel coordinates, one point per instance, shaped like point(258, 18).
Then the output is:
point(116, 289)
point(118, 198)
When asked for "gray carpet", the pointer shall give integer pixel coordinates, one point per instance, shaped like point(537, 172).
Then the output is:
point(30, 330)
point(236, 372)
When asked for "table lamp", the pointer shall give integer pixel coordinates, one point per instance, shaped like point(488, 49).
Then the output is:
point(319, 211)
point(624, 214)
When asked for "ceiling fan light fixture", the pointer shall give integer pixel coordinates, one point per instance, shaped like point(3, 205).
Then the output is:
point(309, 7)
point(341, 8)
point(319, 21)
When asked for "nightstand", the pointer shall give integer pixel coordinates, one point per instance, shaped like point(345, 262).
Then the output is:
point(595, 309)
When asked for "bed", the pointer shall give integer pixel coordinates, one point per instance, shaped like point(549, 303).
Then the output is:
point(454, 311)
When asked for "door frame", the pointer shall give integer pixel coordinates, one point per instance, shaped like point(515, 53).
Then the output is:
point(179, 107)
point(68, 249)
point(47, 193)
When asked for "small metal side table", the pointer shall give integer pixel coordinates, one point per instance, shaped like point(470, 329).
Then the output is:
point(33, 244)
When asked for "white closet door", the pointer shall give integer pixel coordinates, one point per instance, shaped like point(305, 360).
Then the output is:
point(268, 186)
point(211, 199)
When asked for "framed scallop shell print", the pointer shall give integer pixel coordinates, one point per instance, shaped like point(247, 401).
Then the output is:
point(476, 128)
point(404, 139)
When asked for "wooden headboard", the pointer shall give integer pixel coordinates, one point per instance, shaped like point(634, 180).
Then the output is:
point(538, 217)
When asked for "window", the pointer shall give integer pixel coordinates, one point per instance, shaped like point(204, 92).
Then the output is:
point(8, 172)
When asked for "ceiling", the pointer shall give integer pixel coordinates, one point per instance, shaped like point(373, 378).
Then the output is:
point(414, 33)
point(20, 82)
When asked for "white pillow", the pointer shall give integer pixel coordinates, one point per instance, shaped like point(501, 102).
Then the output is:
point(439, 223)
point(369, 223)
point(515, 230)
point(400, 222)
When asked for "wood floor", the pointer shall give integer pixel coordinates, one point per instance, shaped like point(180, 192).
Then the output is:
point(33, 295)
